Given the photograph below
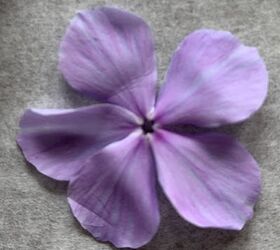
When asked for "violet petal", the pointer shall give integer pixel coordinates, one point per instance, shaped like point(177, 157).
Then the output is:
point(57, 142)
point(212, 80)
point(210, 179)
point(114, 195)
point(108, 53)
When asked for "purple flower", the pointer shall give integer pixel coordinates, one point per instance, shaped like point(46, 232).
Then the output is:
point(113, 153)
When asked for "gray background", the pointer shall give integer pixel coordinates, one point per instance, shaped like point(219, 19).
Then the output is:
point(33, 210)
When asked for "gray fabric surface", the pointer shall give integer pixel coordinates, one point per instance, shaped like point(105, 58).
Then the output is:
point(33, 210)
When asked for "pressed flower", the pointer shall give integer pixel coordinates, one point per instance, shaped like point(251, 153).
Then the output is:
point(114, 153)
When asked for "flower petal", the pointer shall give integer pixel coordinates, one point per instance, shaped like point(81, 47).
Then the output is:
point(212, 80)
point(109, 54)
point(114, 195)
point(210, 179)
point(57, 142)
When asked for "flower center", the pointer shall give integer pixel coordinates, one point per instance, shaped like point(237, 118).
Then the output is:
point(147, 126)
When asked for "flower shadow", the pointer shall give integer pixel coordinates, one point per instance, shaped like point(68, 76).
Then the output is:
point(72, 97)
point(50, 185)
point(251, 133)
point(175, 233)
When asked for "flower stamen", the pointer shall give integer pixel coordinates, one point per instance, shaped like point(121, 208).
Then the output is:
point(147, 126)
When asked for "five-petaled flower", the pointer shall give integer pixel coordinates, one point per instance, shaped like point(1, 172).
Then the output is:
point(113, 153)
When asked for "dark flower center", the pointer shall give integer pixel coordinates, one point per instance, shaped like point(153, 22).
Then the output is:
point(147, 126)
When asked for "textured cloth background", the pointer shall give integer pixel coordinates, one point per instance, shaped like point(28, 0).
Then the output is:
point(33, 210)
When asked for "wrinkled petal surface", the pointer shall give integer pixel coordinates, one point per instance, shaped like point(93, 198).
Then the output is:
point(114, 195)
point(57, 142)
point(210, 179)
point(109, 54)
point(212, 80)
